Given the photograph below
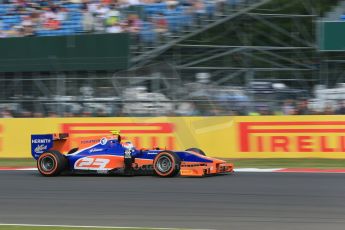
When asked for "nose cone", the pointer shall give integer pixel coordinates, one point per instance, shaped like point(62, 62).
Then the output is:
point(218, 161)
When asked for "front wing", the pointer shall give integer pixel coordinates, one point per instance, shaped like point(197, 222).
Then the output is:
point(201, 169)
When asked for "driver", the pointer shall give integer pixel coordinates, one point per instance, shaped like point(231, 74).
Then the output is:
point(129, 157)
point(129, 153)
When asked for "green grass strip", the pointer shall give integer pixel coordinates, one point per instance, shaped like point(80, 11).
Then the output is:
point(17, 162)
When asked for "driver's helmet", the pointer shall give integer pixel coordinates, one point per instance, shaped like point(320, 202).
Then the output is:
point(116, 134)
point(128, 145)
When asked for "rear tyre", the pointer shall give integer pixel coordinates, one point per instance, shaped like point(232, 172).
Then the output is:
point(166, 164)
point(196, 150)
point(51, 163)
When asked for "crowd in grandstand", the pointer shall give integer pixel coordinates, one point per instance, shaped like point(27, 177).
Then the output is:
point(289, 107)
point(65, 17)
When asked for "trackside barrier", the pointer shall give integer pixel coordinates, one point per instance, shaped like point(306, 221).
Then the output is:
point(227, 137)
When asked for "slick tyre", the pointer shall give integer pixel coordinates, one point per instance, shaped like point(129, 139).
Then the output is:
point(166, 164)
point(196, 150)
point(51, 163)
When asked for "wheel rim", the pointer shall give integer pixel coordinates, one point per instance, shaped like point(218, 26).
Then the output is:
point(164, 164)
point(47, 164)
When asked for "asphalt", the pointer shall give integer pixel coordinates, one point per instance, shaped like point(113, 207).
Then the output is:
point(267, 201)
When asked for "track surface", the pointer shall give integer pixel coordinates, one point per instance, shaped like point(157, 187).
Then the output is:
point(242, 201)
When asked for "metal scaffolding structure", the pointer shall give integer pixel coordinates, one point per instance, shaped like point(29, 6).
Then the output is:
point(206, 24)
point(253, 44)
point(259, 41)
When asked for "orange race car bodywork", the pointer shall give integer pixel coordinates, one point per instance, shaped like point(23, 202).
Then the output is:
point(109, 153)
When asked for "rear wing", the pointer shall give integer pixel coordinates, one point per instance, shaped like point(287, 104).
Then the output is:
point(41, 143)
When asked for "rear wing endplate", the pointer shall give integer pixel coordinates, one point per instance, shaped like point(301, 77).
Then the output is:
point(41, 143)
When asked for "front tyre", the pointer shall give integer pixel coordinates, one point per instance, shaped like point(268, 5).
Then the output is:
point(166, 164)
point(51, 163)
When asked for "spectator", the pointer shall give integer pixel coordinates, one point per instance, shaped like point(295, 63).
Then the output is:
point(133, 23)
point(27, 25)
point(288, 108)
point(199, 9)
point(341, 109)
point(67, 114)
point(102, 10)
point(92, 6)
point(302, 108)
point(328, 110)
point(52, 114)
point(38, 115)
point(265, 111)
point(112, 17)
point(133, 2)
point(51, 24)
point(161, 26)
point(6, 114)
point(2, 34)
point(25, 114)
point(187, 3)
point(233, 3)
point(61, 14)
point(98, 15)
point(101, 113)
point(36, 19)
point(115, 28)
point(50, 13)
point(88, 20)
point(86, 114)
point(106, 2)
point(220, 6)
point(100, 18)
point(172, 5)
point(14, 31)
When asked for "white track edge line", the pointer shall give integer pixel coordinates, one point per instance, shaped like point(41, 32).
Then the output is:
point(236, 169)
point(97, 227)
point(257, 169)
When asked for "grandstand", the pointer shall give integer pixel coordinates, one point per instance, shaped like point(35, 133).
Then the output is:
point(198, 57)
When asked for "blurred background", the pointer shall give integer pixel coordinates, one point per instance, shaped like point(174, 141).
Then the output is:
point(74, 58)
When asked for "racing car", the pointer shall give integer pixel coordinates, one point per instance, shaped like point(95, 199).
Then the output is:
point(109, 154)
